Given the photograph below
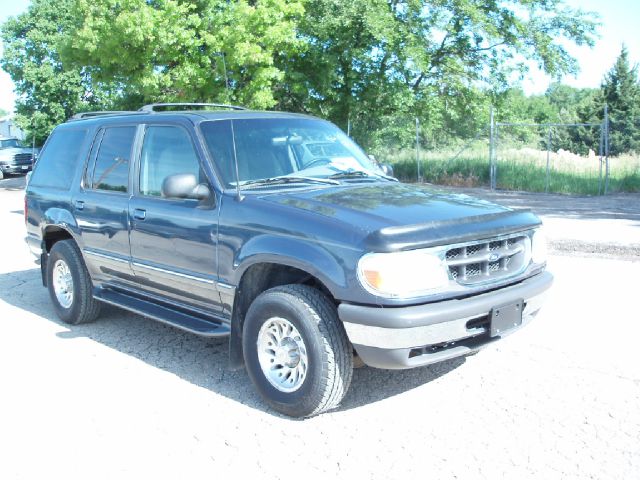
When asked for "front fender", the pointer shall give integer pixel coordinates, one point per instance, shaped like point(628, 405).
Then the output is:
point(327, 262)
point(333, 265)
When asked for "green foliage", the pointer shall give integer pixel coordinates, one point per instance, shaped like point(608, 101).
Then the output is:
point(49, 92)
point(172, 50)
point(370, 62)
point(375, 65)
point(621, 92)
point(472, 170)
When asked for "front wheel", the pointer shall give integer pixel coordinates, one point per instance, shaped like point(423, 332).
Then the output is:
point(296, 350)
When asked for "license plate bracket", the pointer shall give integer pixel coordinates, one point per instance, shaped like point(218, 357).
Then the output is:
point(25, 167)
point(505, 317)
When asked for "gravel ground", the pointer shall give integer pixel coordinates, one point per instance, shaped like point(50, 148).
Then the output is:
point(592, 226)
point(127, 397)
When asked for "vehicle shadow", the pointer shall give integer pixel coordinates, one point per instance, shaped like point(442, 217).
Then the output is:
point(200, 361)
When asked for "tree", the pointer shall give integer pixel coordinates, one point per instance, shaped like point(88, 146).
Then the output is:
point(174, 50)
point(369, 60)
point(49, 93)
point(371, 64)
point(621, 92)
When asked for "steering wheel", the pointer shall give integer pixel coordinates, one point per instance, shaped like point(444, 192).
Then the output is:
point(318, 161)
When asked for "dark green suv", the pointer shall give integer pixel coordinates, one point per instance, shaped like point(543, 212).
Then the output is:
point(276, 230)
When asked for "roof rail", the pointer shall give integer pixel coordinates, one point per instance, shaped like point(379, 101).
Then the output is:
point(82, 115)
point(152, 107)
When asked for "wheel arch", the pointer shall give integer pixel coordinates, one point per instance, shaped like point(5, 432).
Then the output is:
point(257, 278)
point(51, 234)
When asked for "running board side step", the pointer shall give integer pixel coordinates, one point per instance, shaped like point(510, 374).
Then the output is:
point(190, 321)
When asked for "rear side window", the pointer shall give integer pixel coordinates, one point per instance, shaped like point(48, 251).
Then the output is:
point(111, 170)
point(58, 160)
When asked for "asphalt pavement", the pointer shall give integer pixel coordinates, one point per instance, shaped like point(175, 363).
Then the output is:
point(129, 398)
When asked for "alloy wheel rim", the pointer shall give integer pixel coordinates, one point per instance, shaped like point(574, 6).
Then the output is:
point(282, 354)
point(63, 283)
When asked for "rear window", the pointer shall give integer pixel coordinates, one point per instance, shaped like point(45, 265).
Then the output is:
point(57, 163)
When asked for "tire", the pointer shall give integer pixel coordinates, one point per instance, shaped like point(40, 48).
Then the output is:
point(304, 324)
point(65, 268)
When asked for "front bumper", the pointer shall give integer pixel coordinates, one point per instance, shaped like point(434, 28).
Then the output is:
point(407, 337)
point(15, 169)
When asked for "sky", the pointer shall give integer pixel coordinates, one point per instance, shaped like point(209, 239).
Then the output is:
point(619, 25)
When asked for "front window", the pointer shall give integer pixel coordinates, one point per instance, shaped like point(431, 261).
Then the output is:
point(268, 148)
point(10, 143)
point(166, 151)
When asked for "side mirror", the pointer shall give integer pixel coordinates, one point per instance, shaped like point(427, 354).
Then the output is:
point(184, 185)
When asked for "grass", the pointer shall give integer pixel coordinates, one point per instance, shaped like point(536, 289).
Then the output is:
point(521, 169)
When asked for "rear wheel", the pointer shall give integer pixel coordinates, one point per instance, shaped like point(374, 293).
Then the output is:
point(69, 284)
point(296, 350)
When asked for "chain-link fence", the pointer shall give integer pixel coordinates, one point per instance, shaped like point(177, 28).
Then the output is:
point(548, 166)
point(540, 157)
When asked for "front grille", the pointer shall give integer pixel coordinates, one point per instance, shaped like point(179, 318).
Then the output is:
point(487, 260)
point(22, 159)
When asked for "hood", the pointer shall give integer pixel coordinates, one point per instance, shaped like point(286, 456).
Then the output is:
point(399, 216)
point(8, 153)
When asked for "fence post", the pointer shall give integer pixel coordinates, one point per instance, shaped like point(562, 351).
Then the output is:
point(600, 155)
point(491, 150)
point(418, 149)
point(606, 147)
point(546, 183)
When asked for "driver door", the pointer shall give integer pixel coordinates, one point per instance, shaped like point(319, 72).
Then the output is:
point(173, 240)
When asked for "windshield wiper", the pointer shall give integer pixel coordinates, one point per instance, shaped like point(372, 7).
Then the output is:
point(288, 179)
point(359, 174)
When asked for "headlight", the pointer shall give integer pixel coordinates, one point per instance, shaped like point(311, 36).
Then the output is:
point(402, 274)
point(538, 246)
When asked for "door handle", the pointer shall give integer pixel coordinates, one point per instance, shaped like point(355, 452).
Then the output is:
point(79, 204)
point(139, 214)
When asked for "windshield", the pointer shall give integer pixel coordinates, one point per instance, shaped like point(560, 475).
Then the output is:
point(10, 143)
point(268, 148)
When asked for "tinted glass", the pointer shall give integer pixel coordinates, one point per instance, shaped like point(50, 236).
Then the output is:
point(166, 151)
point(57, 163)
point(276, 147)
point(219, 140)
point(111, 171)
point(10, 143)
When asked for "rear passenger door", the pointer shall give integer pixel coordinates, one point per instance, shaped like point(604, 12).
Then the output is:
point(173, 241)
point(101, 205)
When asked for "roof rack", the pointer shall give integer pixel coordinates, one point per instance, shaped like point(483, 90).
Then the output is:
point(152, 107)
point(81, 115)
